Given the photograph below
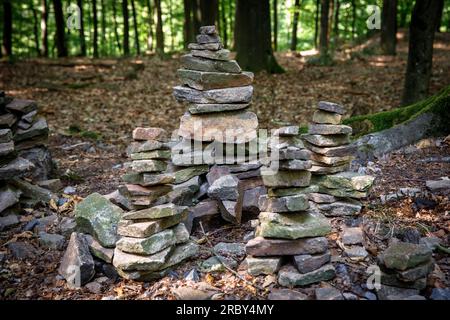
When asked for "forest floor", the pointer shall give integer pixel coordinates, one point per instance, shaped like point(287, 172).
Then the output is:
point(93, 105)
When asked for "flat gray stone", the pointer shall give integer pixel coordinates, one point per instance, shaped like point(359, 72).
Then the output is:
point(352, 236)
point(440, 294)
point(142, 166)
point(230, 249)
point(439, 186)
point(284, 204)
point(147, 246)
point(327, 140)
point(211, 30)
point(208, 61)
point(308, 263)
point(16, 168)
point(21, 250)
point(201, 80)
point(339, 151)
point(329, 129)
point(8, 221)
point(5, 135)
point(125, 261)
point(198, 108)
point(52, 241)
point(321, 198)
point(205, 46)
point(260, 247)
point(40, 127)
point(288, 276)
point(156, 212)
point(286, 294)
point(96, 249)
point(285, 179)
point(22, 106)
point(331, 107)
point(403, 255)
point(328, 294)
point(221, 55)
point(356, 252)
point(294, 165)
point(325, 117)
point(264, 265)
point(207, 38)
point(286, 131)
point(227, 95)
point(339, 209)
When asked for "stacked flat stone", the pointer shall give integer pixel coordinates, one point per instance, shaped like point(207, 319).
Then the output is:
point(217, 93)
point(328, 140)
point(289, 230)
point(404, 269)
point(152, 242)
point(147, 182)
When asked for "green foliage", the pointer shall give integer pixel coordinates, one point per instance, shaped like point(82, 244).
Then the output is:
point(75, 130)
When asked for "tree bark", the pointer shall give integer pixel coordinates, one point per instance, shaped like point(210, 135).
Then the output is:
point(81, 31)
point(420, 54)
point(188, 33)
point(196, 15)
point(275, 25)
point(103, 42)
point(159, 29)
point(295, 25)
point(7, 28)
point(389, 27)
point(353, 19)
point(439, 17)
point(35, 28)
point(44, 31)
point(316, 24)
point(116, 26)
point(136, 32)
point(95, 20)
point(126, 28)
point(209, 10)
point(223, 17)
point(324, 40)
point(337, 10)
point(172, 31)
point(60, 26)
point(150, 26)
point(253, 38)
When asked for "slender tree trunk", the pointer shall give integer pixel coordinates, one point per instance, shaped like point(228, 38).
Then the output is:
point(420, 54)
point(439, 18)
point(353, 19)
point(135, 25)
point(81, 31)
point(35, 28)
point(275, 25)
point(295, 25)
point(337, 10)
point(187, 25)
point(172, 31)
point(209, 10)
point(323, 41)
point(252, 36)
point(223, 17)
point(95, 18)
point(116, 26)
point(159, 28)
point(60, 26)
point(7, 28)
point(389, 27)
point(316, 24)
point(103, 35)
point(150, 26)
point(44, 31)
point(196, 15)
point(126, 28)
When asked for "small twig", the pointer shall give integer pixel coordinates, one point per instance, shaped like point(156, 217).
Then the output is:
point(443, 249)
point(224, 264)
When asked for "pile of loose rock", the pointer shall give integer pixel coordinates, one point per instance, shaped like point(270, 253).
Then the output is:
point(404, 271)
point(289, 231)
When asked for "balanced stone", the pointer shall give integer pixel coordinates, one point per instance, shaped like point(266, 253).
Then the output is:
point(342, 193)
point(286, 131)
point(149, 245)
point(145, 229)
point(266, 265)
point(184, 175)
point(157, 134)
point(157, 179)
point(205, 46)
point(292, 153)
point(144, 146)
point(403, 255)
point(327, 141)
point(98, 217)
point(141, 166)
point(281, 142)
point(220, 55)
point(280, 179)
point(290, 277)
point(260, 246)
point(214, 80)
point(329, 129)
point(5, 135)
point(208, 30)
point(97, 250)
point(40, 127)
point(126, 261)
point(229, 127)
point(322, 169)
point(295, 165)
point(307, 263)
point(156, 212)
point(321, 198)
point(7, 120)
point(391, 279)
point(284, 204)
point(199, 62)
point(340, 151)
point(331, 161)
point(151, 155)
point(283, 192)
point(293, 226)
point(231, 211)
point(228, 95)
point(345, 180)
point(352, 236)
point(324, 117)
point(21, 106)
point(418, 272)
point(226, 188)
point(6, 148)
point(198, 108)
point(328, 294)
point(331, 107)
point(207, 38)
point(339, 208)
point(149, 193)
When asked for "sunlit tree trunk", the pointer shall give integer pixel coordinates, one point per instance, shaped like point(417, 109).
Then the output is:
point(324, 40)
point(209, 10)
point(35, 28)
point(44, 31)
point(135, 25)
point(95, 20)
point(7, 28)
point(316, 24)
point(150, 26)
point(81, 30)
point(295, 25)
point(126, 28)
point(223, 17)
point(187, 25)
point(103, 35)
point(275, 25)
point(389, 27)
point(159, 28)
point(116, 26)
point(60, 29)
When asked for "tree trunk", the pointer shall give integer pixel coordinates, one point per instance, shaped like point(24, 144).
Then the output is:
point(389, 27)
point(172, 31)
point(439, 17)
point(159, 28)
point(252, 36)
point(323, 40)
point(136, 32)
point(337, 10)
point(275, 25)
point(353, 19)
point(81, 31)
point(126, 28)
point(60, 26)
point(295, 25)
point(103, 42)
point(95, 20)
point(316, 24)
point(150, 26)
point(223, 17)
point(35, 28)
point(188, 33)
point(420, 54)
point(116, 26)
point(196, 15)
point(209, 10)
point(7, 28)
point(44, 31)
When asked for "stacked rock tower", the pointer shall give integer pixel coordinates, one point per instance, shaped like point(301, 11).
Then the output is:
point(290, 232)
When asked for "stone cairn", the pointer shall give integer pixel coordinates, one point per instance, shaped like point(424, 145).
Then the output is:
point(23, 154)
point(289, 232)
point(404, 270)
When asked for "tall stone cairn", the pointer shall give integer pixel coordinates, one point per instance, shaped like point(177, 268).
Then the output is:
point(153, 237)
point(328, 140)
point(288, 228)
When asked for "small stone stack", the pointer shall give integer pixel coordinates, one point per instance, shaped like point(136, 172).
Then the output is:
point(289, 229)
point(147, 182)
point(404, 270)
point(153, 240)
